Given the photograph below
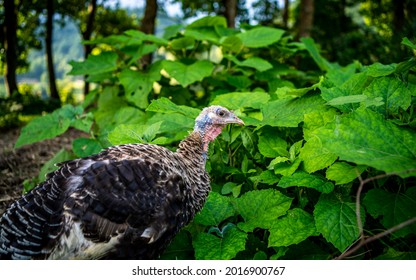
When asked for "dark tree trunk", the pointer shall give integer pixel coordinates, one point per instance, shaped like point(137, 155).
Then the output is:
point(10, 45)
point(49, 52)
point(286, 13)
point(148, 26)
point(305, 20)
point(86, 35)
point(398, 16)
point(230, 12)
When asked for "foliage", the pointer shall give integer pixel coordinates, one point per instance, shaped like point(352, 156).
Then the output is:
point(285, 185)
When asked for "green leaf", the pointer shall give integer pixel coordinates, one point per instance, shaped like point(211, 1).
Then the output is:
point(337, 221)
point(171, 30)
point(232, 44)
point(208, 21)
point(343, 173)
point(210, 247)
point(95, 64)
point(136, 34)
point(291, 229)
point(260, 36)
point(378, 70)
point(206, 33)
point(239, 81)
point(394, 208)
point(50, 165)
point(165, 106)
point(395, 94)
point(271, 146)
point(287, 168)
point(83, 122)
point(237, 100)
point(290, 112)
point(260, 208)
point(44, 127)
point(315, 120)
point(127, 134)
point(248, 139)
point(83, 147)
point(231, 187)
point(407, 42)
point(313, 50)
point(253, 62)
point(216, 209)
point(339, 96)
point(364, 137)
point(188, 74)
point(302, 179)
point(341, 100)
point(138, 85)
point(182, 43)
point(315, 156)
point(265, 177)
point(134, 133)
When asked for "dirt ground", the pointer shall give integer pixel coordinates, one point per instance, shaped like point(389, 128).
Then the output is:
point(17, 165)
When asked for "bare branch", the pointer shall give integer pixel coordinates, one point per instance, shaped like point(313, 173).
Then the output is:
point(361, 241)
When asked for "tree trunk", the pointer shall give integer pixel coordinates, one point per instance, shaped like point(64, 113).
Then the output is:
point(10, 45)
point(305, 18)
point(148, 26)
point(86, 35)
point(49, 52)
point(286, 14)
point(230, 12)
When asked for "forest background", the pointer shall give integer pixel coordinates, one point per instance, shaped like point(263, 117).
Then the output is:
point(326, 88)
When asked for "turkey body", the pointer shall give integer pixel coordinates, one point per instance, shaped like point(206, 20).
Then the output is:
point(126, 202)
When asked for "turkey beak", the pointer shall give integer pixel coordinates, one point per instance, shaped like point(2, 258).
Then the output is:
point(234, 119)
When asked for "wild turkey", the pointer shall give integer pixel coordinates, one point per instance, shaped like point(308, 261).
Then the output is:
point(127, 202)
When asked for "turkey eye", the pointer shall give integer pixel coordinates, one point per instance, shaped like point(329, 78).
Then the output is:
point(221, 113)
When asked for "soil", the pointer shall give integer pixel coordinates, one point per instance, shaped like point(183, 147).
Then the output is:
point(17, 165)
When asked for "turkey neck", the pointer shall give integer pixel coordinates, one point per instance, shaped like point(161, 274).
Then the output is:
point(192, 149)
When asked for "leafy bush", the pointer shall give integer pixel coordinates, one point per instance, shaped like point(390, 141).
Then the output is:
point(326, 161)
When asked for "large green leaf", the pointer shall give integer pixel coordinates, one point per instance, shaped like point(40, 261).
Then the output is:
point(315, 156)
point(188, 74)
point(165, 106)
point(260, 208)
point(293, 228)
point(394, 208)
point(378, 70)
point(316, 120)
point(337, 221)
point(95, 64)
point(347, 96)
point(290, 112)
point(364, 137)
point(395, 94)
point(343, 173)
point(237, 100)
point(211, 247)
point(260, 36)
point(216, 209)
point(303, 179)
